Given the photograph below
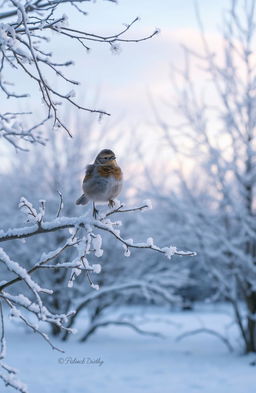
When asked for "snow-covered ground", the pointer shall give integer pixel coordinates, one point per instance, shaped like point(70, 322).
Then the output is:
point(130, 363)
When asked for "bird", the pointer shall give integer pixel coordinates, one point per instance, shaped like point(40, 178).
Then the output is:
point(102, 182)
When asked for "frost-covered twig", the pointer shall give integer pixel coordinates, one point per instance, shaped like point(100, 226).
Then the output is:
point(8, 374)
point(15, 313)
point(14, 131)
point(42, 263)
point(25, 32)
point(167, 251)
point(83, 222)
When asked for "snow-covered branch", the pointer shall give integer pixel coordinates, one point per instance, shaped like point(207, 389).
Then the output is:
point(25, 32)
point(104, 224)
point(83, 236)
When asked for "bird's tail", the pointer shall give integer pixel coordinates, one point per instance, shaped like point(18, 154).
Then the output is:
point(83, 200)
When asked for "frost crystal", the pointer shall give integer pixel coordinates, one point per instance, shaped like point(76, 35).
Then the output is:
point(96, 268)
point(150, 241)
point(95, 286)
point(169, 251)
point(96, 243)
point(127, 252)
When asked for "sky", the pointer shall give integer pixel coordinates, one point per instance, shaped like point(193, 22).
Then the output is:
point(124, 82)
point(139, 67)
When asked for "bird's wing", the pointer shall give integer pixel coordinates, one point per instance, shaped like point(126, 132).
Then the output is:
point(88, 173)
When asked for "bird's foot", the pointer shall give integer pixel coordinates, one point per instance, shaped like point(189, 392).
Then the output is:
point(111, 203)
point(95, 212)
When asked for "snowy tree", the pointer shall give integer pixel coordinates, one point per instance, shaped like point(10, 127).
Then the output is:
point(217, 135)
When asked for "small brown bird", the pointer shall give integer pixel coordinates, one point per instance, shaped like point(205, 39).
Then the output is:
point(102, 181)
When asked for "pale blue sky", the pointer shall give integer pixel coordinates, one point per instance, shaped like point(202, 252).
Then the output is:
point(125, 79)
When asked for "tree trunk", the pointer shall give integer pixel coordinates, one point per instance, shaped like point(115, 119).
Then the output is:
point(251, 329)
point(251, 323)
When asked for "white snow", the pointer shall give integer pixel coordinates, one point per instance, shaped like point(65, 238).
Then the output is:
point(116, 359)
point(95, 286)
point(97, 243)
point(169, 251)
point(96, 268)
point(150, 241)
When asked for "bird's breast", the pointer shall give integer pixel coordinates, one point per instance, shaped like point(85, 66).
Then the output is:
point(104, 184)
point(109, 170)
